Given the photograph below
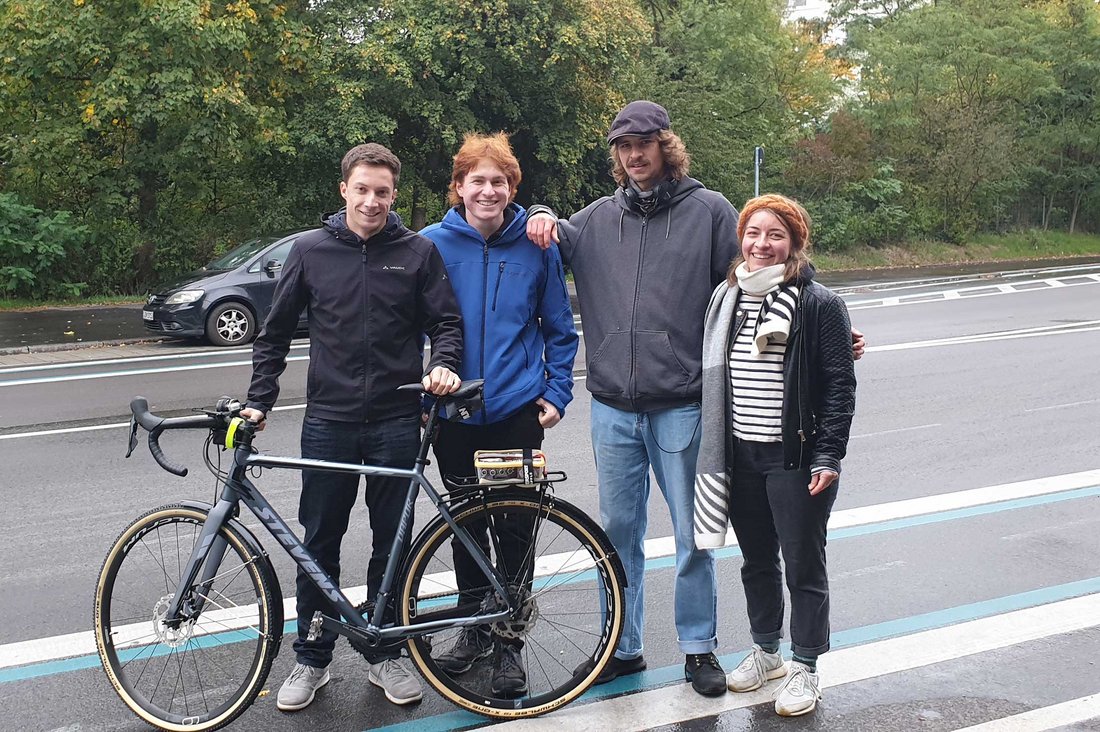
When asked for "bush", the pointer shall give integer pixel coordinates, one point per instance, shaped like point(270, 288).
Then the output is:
point(35, 249)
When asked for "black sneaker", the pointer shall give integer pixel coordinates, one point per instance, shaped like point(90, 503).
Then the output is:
point(705, 674)
point(472, 645)
point(509, 678)
point(615, 668)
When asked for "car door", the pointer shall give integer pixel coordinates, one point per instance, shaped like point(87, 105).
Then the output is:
point(266, 271)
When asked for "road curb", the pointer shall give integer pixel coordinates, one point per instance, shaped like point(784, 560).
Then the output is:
point(76, 346)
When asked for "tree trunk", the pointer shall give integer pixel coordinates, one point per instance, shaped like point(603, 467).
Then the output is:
point(147, 176)
point(1073, 213)
point(419, 213)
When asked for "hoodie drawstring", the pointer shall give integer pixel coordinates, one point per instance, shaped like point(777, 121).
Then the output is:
point(668, 226)
point(622, 213)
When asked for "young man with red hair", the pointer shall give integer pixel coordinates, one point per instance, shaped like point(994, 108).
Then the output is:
point(519, 336)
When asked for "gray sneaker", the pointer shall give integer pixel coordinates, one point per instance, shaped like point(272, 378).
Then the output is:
point(300, 687)
point(755, 670)
point(392, 677)
point(799, 693)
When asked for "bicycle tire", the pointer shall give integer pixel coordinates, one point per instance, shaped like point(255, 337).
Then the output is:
point(569, 626)
point(159, 672)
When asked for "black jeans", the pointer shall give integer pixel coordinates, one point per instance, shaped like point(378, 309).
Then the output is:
point(454, 446)
point(771, 508)
point(325, 507)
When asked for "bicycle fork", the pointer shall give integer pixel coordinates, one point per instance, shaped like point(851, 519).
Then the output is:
point(189, 599)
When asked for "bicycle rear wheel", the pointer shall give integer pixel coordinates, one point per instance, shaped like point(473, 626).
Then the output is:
point(571, 603)
point(205, 672)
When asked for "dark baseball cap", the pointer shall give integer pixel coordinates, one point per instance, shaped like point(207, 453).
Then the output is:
point(640, 117)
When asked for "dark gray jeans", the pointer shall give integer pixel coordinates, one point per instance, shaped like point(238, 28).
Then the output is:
point(325, 508)
point(771, 509)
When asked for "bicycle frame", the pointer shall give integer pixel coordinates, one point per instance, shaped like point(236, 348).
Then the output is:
point(210, 548)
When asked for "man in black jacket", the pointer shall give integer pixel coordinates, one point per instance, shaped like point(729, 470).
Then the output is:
point(372, 288)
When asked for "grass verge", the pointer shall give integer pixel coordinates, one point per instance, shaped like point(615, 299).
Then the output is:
point(1016, 246)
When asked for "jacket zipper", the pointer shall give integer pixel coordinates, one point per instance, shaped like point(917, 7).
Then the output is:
point(632, 383)
point(366, 339)
point(799, 370)
point(496, 290)
point(484, 308)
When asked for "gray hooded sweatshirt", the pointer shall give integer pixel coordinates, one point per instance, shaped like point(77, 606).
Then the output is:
point(643, 284)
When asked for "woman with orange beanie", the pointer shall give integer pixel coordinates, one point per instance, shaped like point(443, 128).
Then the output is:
point(778, 397)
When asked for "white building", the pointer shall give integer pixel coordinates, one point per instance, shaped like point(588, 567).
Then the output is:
point(797, 9)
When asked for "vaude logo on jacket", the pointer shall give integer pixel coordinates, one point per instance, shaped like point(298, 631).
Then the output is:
point(392, 266)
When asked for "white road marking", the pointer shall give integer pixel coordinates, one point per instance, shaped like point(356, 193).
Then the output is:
point(1063, 406)
point(1045, 718)
point(679, 702)
point(76, 644)
point(899, 429)
point(134, 359)
point(989, 289)
point(1038, 332)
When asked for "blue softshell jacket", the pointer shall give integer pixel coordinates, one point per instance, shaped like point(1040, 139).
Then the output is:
point(517, 325)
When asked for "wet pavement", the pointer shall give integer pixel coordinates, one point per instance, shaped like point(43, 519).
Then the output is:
point(71, 327)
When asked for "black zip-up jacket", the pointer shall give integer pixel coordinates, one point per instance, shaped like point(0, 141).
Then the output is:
point(369, 303)
point(819, 380)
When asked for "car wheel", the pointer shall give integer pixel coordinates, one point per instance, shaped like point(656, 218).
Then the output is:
point(230, 324)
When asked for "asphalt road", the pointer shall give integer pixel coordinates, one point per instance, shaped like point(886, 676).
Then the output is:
point(951, 606)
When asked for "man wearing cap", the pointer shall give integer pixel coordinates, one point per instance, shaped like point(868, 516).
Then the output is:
point(645, 261)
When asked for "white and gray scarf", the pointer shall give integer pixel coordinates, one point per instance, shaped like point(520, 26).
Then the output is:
point(777, 313)
point(773, 325)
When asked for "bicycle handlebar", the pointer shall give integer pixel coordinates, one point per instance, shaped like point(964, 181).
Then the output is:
point(469, 394)
point(155, 425)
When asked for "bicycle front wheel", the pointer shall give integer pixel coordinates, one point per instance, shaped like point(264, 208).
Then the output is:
point(567, 590)
point(203, 672)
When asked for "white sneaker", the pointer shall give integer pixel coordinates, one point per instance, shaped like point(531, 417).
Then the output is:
point(392, 677)
point(799, 693)
point(300, 687)
point(755, 670)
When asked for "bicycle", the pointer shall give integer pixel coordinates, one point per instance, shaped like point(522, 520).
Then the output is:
point(189, 610)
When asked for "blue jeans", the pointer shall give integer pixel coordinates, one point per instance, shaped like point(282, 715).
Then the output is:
point(626, 445)
point(325, 508)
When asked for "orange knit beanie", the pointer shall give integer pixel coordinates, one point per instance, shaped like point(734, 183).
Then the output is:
point(792, 214)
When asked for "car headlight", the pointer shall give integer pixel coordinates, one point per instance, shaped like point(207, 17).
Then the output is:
point(183, 297)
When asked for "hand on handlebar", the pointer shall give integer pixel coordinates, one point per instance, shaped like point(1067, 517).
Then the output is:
point(256, 417)
point(440, 381)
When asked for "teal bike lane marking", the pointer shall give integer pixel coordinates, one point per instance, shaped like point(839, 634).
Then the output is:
point(658, 677)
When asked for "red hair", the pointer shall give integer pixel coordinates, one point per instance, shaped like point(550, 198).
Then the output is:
point(476, 148)
point(794, 219)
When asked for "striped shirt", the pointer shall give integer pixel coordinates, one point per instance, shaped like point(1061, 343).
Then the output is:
point(756, 382)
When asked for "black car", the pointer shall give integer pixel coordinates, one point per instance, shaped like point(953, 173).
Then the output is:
point(227, 300)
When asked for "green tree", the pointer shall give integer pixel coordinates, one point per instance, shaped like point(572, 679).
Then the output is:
point(733, 76)
point(141, 117)
point(945, 87)
point(546, 71)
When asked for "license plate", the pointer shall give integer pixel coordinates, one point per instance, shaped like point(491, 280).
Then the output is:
point(146, 314)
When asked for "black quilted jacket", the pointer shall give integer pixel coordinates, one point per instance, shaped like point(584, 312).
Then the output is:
point(819, 380)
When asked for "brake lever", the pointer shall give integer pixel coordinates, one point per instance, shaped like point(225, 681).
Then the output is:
point(133, 436)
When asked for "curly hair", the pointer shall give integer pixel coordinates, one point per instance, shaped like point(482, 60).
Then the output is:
point(476, 148)
point(795, 220)
point(677, 159)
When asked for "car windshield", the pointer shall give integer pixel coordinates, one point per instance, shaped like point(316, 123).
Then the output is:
point(241, 254)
